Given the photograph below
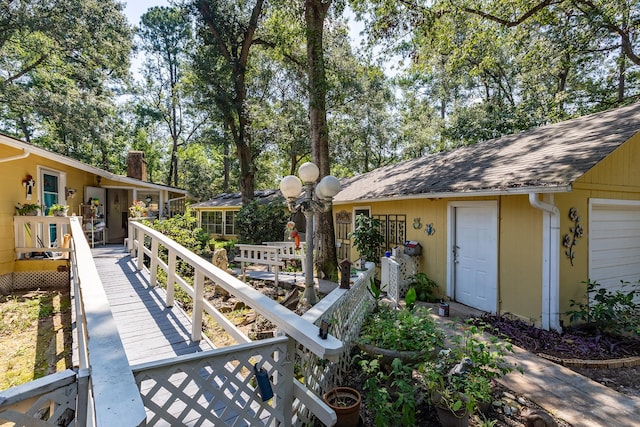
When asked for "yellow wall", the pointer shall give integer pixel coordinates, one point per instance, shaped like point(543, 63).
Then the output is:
point(519, 246)
point(11, 175)
point(615, 177)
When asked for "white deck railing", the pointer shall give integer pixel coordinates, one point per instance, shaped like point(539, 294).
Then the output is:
point(145, 243)
point(101, 390)
point(40, 234)
point(213, 386)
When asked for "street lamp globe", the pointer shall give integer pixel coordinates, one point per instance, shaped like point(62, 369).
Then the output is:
point(290, 186)
point(328, 187)
point(308, 172)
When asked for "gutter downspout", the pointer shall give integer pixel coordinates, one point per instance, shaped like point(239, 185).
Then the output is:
point(25, 154)
point(550, 261)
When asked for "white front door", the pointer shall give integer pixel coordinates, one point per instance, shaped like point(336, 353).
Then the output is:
point(474, 251)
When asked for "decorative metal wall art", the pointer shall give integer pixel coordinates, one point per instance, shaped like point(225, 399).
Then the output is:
point(417, 223)
point(575, 232)
point(429, 230)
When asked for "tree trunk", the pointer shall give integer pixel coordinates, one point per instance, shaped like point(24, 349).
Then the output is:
point(622, 72)
point(315, 13)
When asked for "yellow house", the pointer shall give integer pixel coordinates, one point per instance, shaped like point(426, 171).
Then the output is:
point(32, 175)
point(217, 216)
point(515, 224)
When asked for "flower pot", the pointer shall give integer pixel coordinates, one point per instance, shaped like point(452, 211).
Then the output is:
point(345, 401)
point(449, 418)
point(408, 357)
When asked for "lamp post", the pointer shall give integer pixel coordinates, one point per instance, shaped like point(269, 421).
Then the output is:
point(325, 190)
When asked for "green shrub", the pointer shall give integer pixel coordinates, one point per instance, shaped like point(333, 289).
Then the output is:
point(424, 287)
point(390, 396)
point(616, 312)
point(367, 238)
point(257, 223)
point(403, 330)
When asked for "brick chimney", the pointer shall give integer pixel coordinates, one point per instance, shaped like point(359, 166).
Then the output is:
point(136, 165)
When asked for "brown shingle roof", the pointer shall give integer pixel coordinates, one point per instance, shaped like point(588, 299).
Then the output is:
point(547, 158)
point(230, 200)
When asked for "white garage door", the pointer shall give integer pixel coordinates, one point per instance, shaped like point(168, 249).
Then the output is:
point(614, 242)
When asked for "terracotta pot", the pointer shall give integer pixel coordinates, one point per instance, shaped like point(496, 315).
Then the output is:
point(345, 401)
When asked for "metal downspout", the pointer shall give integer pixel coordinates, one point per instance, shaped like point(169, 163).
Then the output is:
point(550, 261)
point(25, 154)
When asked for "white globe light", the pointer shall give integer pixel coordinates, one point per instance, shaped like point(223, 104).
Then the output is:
point(290, 186)
point(328, 187)
point(308, 172)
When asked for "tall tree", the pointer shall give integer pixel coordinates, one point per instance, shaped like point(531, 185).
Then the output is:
point(166, 38)
point(227, 29)
point(59, 63)
point(315, 13)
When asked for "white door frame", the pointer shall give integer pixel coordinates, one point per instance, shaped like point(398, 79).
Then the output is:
point(451, 238)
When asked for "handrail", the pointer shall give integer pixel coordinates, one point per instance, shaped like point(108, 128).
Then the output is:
point(116, 398)
point(301, 330)
point(32, 234)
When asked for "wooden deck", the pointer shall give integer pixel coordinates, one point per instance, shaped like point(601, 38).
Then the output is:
point(149, 330)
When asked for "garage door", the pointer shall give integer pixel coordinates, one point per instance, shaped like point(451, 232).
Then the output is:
point(614, 242)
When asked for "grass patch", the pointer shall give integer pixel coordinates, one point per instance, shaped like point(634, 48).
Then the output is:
point(35, 333)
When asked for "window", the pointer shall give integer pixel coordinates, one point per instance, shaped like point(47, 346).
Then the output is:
point(212, 222)
point(230, 222)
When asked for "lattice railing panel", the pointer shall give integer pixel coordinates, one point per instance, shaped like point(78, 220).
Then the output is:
point(56, 407)
point(217, 387)
point(345, 319)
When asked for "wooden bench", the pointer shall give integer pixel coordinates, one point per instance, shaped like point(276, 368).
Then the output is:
point(259, 254)
point(288, 252)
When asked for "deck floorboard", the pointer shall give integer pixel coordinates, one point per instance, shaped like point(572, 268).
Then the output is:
point(148, 329)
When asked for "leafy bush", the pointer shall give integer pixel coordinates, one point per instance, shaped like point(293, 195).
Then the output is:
point(615, 312)
point(367, 237)
point(257, 223)
point(184, 230)
point(393, 405)
point(402, 330)
point(424, 287)
point(462, 375)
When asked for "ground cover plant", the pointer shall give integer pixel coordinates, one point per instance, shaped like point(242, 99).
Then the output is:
point(35, 335)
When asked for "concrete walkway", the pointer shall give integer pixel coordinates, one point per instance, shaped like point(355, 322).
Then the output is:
point(562, 392)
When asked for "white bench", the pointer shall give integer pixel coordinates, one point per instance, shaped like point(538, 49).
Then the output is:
point(259, 254)
point(289, 252)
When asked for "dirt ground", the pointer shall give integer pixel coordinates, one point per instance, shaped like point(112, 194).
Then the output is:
point(35, 335)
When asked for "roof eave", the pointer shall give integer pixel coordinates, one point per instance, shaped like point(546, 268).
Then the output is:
point(16, 143)
point(476, 193)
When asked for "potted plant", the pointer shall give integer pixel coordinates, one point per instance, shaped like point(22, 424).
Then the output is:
point(367, 238)
point(28, 209)
point(58, 210)
point(345, 401)
point(460, 378)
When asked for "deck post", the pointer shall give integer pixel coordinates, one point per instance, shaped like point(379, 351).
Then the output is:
point(171, 278)
point(153, 274)
point(287, 383)
point(140, 250)
point(198, 306)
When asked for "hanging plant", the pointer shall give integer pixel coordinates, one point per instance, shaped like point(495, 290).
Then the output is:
point(575, 232)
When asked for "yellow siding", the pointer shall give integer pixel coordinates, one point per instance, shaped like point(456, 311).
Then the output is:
point(520, 260)
point(615, 177)
point(11, 175)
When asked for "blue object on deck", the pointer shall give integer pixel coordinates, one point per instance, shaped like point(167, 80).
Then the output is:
point(266, 392)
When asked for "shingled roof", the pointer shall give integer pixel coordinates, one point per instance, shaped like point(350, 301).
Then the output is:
point(545, 159)
point(229, 200)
